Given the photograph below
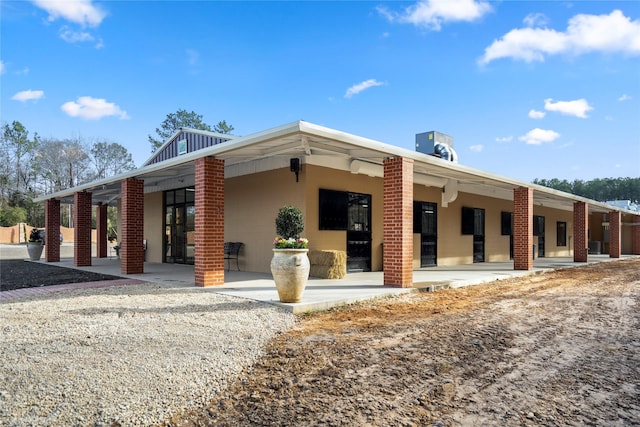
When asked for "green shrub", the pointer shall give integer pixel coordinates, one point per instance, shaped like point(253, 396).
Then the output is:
point(289, 222)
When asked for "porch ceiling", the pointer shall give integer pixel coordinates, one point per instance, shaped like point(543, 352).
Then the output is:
point(337, 150)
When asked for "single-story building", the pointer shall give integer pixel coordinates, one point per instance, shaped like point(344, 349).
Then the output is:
point(390, 209)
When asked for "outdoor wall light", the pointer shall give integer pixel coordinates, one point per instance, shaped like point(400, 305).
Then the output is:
point(294, 165)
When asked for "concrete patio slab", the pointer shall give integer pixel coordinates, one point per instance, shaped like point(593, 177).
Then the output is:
point(322, 294)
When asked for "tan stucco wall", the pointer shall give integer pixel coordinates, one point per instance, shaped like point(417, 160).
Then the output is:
point(153, 211)
point(252, 201)
point(596, 232)
point(332, 179)
point(251, 205)
point(454, 247)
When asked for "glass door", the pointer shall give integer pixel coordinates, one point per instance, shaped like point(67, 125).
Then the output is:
point(428, 234)
point(179, 226)
point(359, 232)
point(478, 235)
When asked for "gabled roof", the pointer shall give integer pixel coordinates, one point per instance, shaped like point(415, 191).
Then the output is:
point(192, 140)
point(319, 145)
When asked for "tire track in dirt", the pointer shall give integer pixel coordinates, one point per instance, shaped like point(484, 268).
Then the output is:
point(561, 348)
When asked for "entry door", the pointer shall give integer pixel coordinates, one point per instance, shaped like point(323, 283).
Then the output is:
point(359, 232)
point(179, 223)
point(478, 235)
point(538, 230)
point(426, 224)
point(175, 234)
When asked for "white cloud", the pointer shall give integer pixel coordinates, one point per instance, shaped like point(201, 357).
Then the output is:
point(90, 108)
point(431, 14)
point(2, 67)
point(585, 33)
point(538, 136)
point(535, 20)
point(534, 114)
point(71, 36)
point(624, 97)
point(28, 95)
point(577, 108)
point(82, 12)
point(357, 88)
point(504, 139)
point(476, 148)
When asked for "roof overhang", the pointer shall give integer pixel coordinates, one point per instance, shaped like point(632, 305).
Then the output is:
point(314, 144)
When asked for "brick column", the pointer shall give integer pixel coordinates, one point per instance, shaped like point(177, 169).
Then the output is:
point(580, 231)
point(398, 222)
point(82, 229)
point(635, 235)
point(615, 234)
point(522, 228)
point(52, 226)
point(209, 203)
point(132, 233)
point(101, 230)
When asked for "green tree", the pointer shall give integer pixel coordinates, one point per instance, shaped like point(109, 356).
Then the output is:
point(223, 127)
point(19, 150)
point(600, 189)
point(110, 158)
point(183, 119)
point(12, 215)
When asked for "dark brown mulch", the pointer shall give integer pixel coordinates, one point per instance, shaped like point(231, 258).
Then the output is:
point(19, 274)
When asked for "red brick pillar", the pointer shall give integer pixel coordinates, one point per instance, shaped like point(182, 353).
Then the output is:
point(82, 229)
point(635, 235)
point(101, 230)
point(209, 257)
point(522, 228)
point(580, 231)
point(615, 234)
point(132, 233)
point(398, 222)
point(52, 227)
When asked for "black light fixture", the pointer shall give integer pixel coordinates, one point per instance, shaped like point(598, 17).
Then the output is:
point(294, 165)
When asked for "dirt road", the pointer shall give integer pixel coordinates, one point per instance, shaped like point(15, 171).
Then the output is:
point(554, 349)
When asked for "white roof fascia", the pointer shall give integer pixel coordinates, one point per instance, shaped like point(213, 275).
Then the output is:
point(425, 158)
point(316, 130)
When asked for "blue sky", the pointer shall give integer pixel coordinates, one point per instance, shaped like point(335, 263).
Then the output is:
point(527, 89)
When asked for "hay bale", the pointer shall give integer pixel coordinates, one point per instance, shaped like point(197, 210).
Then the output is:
point(329, 264)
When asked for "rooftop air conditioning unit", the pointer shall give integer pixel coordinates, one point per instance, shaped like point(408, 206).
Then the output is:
point(436, 144)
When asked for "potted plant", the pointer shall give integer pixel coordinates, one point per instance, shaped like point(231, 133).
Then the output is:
point(290, 263)
point(35, 245)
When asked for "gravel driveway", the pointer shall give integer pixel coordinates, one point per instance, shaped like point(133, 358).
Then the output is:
point(125, 355)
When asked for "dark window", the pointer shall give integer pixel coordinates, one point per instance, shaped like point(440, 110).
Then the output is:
point(359, 212)
point(561, 233)
point(478, 222)
point(506, 224)
point(424, 218)
point(467, 220)
point(334, 210)
point(538, 225)
point(473, 221)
